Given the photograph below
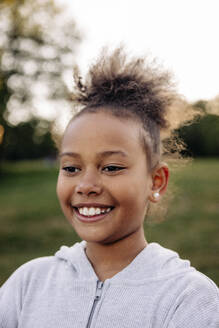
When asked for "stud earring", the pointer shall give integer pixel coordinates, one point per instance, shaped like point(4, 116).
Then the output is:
point(156, 195)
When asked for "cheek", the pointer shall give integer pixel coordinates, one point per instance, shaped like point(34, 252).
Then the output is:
point(62, 189)
point(59, 188)
point(63, 194)
point(132, 195)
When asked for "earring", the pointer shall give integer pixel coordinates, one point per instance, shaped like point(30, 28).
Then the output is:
point(156, 195)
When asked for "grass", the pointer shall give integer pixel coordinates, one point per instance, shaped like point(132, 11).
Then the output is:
point(32, 224)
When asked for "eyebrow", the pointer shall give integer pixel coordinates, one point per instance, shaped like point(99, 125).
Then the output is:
point(108, 153)
point(71, 154)
point(103, 154)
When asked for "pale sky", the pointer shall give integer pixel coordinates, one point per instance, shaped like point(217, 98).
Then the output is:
point(182, 34)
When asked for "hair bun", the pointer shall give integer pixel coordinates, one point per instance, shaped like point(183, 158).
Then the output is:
point(135, 84)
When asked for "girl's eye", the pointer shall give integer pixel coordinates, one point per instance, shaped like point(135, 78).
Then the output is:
point(113, 168)
point(71, 169)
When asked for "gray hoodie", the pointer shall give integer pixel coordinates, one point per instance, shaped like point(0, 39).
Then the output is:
point(156, 290)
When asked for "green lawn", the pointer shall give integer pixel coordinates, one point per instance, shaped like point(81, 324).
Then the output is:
point(32, 225)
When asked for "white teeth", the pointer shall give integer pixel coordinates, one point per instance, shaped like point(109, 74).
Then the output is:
point(93, 211)
point(85, 211)
point(81, 210)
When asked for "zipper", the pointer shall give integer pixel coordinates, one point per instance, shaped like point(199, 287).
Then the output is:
point(96, 299)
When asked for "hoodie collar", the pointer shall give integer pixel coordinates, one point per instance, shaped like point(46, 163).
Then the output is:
point(153, 262)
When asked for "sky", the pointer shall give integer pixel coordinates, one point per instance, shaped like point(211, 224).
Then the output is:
point(181, 34)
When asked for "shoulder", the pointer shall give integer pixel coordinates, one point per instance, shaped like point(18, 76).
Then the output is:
point(186, 283)
point(34, 270)
point(198, 285)
point(28, 280)
point(197, 303)
point(38, 265)
point(46, 270)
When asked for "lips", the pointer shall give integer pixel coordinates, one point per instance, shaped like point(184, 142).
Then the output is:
point(91, 212)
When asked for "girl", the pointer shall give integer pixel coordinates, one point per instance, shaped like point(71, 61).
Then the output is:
point(110, 172)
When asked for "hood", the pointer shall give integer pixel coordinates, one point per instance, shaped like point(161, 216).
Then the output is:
point(153, 262)
point(76, 258)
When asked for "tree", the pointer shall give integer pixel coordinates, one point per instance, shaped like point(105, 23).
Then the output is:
point(213, 106)
point(37, 51)
point(19, 141)
point(201, 137)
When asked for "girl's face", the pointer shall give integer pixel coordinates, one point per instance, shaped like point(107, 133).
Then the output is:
point(103, 184)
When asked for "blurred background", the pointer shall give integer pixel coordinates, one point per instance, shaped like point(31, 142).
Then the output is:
point(40, 42)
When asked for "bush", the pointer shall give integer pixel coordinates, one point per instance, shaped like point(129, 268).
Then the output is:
point(28, 140)
point(201, 137)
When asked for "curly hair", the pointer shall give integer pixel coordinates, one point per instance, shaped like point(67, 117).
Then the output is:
point(128, 88)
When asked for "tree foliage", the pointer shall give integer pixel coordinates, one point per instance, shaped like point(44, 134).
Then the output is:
point(201, 137)
point(37, 51)
point(29, 140)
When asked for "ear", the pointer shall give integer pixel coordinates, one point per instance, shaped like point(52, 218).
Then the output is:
point(160, 177)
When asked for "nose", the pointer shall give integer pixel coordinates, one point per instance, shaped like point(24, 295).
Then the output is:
point(89, 184)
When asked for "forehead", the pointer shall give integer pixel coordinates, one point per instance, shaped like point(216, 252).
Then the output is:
point(101, 130)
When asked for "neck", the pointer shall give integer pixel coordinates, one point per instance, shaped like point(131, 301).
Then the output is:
point(109, 259)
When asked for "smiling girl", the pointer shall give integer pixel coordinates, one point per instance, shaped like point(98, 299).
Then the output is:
point(110, 171)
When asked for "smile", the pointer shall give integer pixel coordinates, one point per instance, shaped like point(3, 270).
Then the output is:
point(92, 213)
